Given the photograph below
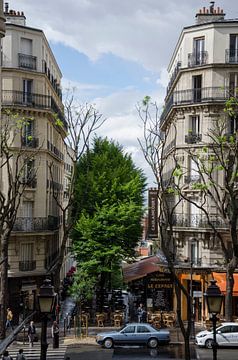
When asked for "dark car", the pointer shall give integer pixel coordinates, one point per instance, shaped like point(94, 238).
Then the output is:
point(134, 334)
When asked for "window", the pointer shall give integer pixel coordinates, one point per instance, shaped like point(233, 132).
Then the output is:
point(198, 50)
point(142, 329)
point(233, 84)
point(233, 48)
point(233, 124)
point(197, 88)
point(234, 328)
point(27, 91)
point(194, 127)
point(225, 329)
point(26, 46)
point(29, 173)
point(194, 252)
point(27, 252)
point(28, 132)
point(129, 329)
point(27, 212)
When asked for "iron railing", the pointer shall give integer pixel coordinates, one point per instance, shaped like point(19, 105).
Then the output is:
point(198, 221)
point(55, 150)
point(26, 99)
point(231, 56)
point(193, 138)
point(29, 141)
point(30, 182)
point(174, 75)
point(29, 224)
point(27, 61)
point(197, 95)
point(27, 265)
point(197, 58)
point(49, 260)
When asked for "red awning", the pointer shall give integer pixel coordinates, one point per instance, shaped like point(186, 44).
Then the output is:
point(221, 282)
point(143, 267)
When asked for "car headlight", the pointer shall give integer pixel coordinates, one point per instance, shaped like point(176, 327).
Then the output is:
point(201, 336)
point(99, 337)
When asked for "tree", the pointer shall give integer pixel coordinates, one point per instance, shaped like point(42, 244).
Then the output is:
point(82, 121)
point(16, 171)
point(159, 157)
point(108, 207)
point(217, 170)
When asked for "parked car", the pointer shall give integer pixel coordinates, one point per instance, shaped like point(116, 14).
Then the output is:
point(134, 334)
point(226, 335)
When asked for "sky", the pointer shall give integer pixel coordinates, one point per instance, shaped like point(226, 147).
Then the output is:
point(115, 52)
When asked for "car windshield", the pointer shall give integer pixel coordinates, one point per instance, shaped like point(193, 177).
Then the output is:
point(155, 328)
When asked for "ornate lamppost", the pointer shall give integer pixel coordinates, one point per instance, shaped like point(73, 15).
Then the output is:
point(214, 299)
point(46, 301)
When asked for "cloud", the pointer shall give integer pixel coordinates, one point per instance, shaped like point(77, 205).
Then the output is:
point(144, 31)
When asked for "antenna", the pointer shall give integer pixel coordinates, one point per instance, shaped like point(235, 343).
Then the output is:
point(212, 6)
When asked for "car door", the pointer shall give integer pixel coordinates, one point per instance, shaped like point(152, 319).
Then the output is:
point(223, 336)
point(127, 335)
point(234, 335)
point(142, 334)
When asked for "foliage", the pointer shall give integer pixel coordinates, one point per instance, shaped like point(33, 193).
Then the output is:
point(108, 206)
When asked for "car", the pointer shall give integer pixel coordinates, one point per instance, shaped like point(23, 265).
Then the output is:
point(226, 335)
point(134, 334)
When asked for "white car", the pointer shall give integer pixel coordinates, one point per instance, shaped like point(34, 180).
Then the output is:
point(226, 335)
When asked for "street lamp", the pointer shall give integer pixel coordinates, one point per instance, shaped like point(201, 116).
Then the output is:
point(214, 299)
point(46, 301)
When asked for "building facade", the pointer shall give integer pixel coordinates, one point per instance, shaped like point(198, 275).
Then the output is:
point(203, 74)
point(31, 88)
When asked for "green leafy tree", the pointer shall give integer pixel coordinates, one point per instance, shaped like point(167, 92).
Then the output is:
point(108, 208)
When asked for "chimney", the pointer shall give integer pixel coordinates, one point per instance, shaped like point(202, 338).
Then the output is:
point(14, 17)
point(6, 8)
point(211, 14)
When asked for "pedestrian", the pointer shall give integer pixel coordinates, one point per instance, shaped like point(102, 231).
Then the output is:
point(55, 334)
point(9, 319)
point(31, 333)
point(141, 313)
point(68, 322)
point(20, 355)
point(6, 356)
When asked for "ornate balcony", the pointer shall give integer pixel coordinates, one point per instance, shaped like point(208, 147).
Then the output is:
point(29, 224)
point(197, 221)
point(231, 56)
point(27, 61)
point(193, 96)
point(174, 75)
point(27, 265)
point(30, 142)
point(30, 182)
point(193, 138)
point(197, 58)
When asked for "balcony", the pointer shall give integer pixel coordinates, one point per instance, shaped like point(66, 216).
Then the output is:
point(188, 179)
point(27, 265)
point(197, 58)
point(193, 96)
point(30, 182)
point(36, 101)
point(231, 56)
point(55, 150)
point(174, 75)
point(27, 61)
point(51, 259)
point(193, 138)
point(29, 224)
point(197, 221)
point(30, 142)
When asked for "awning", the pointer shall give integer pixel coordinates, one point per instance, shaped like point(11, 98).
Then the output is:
point(221, 282)
point(143, 267)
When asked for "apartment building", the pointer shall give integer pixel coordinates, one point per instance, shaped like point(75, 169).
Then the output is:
point(31, 87)
point(203, 73)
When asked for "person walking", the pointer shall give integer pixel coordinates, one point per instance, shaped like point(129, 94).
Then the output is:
point(55, 334)
point(31, 333)
point(6, 356)
point(20, 355)
point(141, 313)
point(9, 319)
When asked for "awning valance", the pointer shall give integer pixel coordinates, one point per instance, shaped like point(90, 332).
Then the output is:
point(221, 282)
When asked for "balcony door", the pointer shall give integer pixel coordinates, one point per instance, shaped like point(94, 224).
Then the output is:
point(27, 213)
point(194, 213)
point(26, 257)
point(233, 48)
point(27, 91)
point(198, 50)
point(197, 88)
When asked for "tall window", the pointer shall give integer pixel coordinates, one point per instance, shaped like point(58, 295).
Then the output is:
point(27, 213)
point(27, 262)
point(28, 133)
point(233, 84)
point(198, 50)
point(26, 46)
point(197, 88)
point(29, 176)
point(27, 91)
point(194, 252)
point(233, 48)
point(194, 125)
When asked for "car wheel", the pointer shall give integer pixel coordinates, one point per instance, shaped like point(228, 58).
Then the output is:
point(108, 343)
point(209, 343)
point(153, 343)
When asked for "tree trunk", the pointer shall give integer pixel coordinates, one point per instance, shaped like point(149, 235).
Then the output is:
point(229, 293)
point(56, 272)
point(4, 284)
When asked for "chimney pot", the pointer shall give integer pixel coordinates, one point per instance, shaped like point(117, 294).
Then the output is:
point(218, 10)
point(214, 11)
point(204, 9)
point(200, 11)
point(207, 11)
point(221, 11)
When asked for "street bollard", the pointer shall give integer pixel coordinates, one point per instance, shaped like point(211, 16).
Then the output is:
point(64, 327)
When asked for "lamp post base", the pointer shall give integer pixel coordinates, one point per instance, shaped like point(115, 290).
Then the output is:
point(44, 345)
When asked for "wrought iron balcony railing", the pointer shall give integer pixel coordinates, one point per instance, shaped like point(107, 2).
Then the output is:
point(193, 96)
point(55, 150)
point(197, 58)
point(231, 56)
point(197, 221)
point(51, 259)
point(37, 101)
point(27, 61)
point(27, 265)
point(29, 224)
point(193, 138)
point(30, 182)
point(174, 75)
point(29, 141)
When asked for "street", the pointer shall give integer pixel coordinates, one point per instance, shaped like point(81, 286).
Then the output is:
point(88, 352)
